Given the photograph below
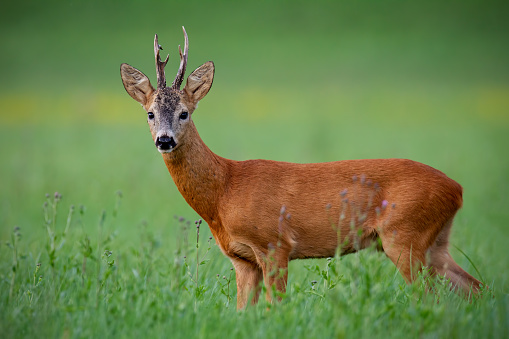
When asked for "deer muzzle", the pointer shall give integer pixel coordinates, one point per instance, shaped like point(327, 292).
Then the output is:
point(165, 144)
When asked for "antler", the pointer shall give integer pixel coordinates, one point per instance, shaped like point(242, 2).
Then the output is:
point(161, 79)
point(183, 63)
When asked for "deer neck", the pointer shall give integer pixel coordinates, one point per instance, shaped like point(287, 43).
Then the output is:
point(199, 174)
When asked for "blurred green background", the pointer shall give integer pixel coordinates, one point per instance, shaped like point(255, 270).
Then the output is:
point(300, 81)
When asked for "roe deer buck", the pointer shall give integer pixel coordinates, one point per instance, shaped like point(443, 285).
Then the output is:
point(243, 202)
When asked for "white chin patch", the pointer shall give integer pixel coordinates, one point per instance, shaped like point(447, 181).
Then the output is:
point(162, 151)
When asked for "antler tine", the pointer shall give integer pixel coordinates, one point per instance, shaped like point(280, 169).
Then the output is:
point(161, 79)
point(183, 63)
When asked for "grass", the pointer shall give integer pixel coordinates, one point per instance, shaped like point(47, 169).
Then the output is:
point(294, 82)
point(84, 283)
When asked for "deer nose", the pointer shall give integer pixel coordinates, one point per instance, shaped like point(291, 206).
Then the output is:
point(165, 142)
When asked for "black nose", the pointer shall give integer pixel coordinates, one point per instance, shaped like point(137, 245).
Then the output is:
point(165, 142)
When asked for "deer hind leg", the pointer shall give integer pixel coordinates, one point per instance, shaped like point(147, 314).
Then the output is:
point(410, 249)
point(248, 276)
point(443, 264)
point(406, 255)
point(407, 244)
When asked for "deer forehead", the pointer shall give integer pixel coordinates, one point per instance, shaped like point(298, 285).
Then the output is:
point(167, 100)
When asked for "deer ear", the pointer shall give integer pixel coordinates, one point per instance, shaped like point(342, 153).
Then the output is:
point(199, 82)
point(136, 83)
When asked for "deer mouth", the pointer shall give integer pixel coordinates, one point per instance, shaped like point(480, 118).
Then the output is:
point(165, 144)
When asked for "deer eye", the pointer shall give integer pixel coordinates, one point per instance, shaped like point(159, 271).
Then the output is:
point(183, 115)
point(150, 115)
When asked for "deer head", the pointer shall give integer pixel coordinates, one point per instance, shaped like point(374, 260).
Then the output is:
point(169, 109)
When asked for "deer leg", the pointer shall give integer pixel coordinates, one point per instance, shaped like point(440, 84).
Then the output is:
point(275, 272)
point(408, 261)
point(410, 250)
point(405, 252)
point(248, 276)
point(276, 278)
point(443, 264)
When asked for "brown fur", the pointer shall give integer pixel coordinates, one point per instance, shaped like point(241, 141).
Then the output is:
point(406, 205)
point(241, 201)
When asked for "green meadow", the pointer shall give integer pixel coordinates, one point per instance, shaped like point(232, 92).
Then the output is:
point(96, 241)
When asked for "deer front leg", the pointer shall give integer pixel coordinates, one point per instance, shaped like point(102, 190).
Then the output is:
point(276, 278)
point(248, 276)
point(275, 272)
